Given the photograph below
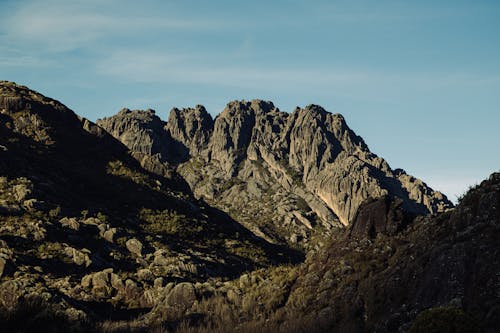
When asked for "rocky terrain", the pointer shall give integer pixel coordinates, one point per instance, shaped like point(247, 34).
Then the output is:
point(287, 177)
point(255, 221)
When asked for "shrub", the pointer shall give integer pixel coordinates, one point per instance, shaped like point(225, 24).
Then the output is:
point(444, 320)
point(33, 314)
point(169, 222)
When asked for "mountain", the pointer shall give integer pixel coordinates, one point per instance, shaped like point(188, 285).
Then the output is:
point(73, 202)
point(285, 176)
point(255, 221)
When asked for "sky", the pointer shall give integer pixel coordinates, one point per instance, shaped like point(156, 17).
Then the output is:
point(418, 80)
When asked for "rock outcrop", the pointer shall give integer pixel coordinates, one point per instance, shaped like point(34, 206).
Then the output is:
point(191, 128)
point(383, 215)
point(140, 131)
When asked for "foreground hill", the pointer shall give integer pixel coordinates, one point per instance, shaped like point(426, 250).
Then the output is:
point(285, 176)
point(81, 221)
point(439, 274)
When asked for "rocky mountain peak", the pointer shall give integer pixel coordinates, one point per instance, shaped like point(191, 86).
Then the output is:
point(314, 108)
point(140, 130)
point(261, 106)
point(31, 114)
point(309, 154)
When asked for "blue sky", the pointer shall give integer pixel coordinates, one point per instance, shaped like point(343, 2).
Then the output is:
point(419, 80)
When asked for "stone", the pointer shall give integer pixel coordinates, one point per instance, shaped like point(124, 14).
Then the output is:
point(158, 282)
point(145, 275)
point(101, 284)
point(101, 279)
point(86, 281)
point(182, 295)
point(134, 246)
point(70, 222)
point(110, 234)
point(91, 221)
point(102, 227)
point(131, 287)
point(79, 257)
point(3, 263)
point(116, 282)
point(383, 215)
point(33, 205)
point(21, 192)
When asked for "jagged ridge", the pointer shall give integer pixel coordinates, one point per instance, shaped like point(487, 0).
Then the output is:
point(309, 155)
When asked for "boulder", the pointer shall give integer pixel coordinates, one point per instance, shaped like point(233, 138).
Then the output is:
point(70, 222)
point(21, 192)
point(384, 215)
point(91, 221)
point(9, 208)
point(79, 257)
point(34, 205)
point(101, 282)
point(145, 275)
point(134, 246)
point(3, 263)
point(101, 285)
point(110, 234)
point(116, 282)
point(86, 281)
point(158, 282)
point(182, 296)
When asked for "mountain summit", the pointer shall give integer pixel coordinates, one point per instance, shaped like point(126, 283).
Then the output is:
point(280, 174)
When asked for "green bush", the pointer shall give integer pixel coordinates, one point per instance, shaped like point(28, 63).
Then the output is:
point(444, 320)
point(169, 222)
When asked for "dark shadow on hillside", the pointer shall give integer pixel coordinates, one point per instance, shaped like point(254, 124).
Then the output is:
point(73, 173)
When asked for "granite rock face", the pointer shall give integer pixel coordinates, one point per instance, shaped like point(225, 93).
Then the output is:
point(141, 131)
point(191, 127)
point(279, 174)
point(383, 215)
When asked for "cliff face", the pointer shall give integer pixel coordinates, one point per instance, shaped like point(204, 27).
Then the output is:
point(279, 174)
point(191, 127)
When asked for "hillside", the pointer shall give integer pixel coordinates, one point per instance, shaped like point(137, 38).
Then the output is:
point(75, 204)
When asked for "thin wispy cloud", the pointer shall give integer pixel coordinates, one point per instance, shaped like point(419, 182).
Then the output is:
point(65, 25)
point(155, 67)
point(397, 12)
point(10, 60)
